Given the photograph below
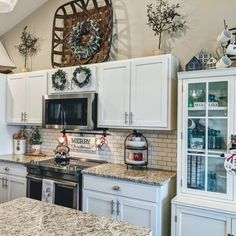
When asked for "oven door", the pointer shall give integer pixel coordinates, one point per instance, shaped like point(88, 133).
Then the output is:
point(66, 194)
point(71, 111)
point(34, 187)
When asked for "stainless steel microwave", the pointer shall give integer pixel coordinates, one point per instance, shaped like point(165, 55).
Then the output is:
point(70, 111)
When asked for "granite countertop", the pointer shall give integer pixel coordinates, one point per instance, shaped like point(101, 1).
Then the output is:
point(21, 159)
point(117, 171)
point(27, 217)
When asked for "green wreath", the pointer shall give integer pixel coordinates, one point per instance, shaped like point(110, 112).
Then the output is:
point(81, 82)
point(59, 80)
point(85, 39)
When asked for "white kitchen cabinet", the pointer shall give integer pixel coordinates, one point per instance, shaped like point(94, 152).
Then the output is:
point(138, 93)
point(24, 97)
point(233, 227)
point(202, 223)
point(6, 131)
point(3, 193)
point(12, 181)
point(137, 212)
point(99, 204)
point(114, 93)
point(139, 204)
point(16, 187)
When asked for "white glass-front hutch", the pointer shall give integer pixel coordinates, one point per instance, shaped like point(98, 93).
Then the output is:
point(206, 197)
point(207, 123)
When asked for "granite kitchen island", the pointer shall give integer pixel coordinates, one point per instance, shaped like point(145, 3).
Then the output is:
point(26, 217)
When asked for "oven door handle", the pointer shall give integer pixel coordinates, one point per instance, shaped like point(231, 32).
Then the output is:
point(66, 184)
point(33, 178)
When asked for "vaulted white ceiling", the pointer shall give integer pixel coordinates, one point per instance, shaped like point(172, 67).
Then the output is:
point(22, 9)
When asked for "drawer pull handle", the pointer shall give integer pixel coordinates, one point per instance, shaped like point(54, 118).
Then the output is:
point(118, 208)
point(116, 188)
point(112, 207)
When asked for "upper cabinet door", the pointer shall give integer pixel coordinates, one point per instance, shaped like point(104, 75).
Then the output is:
point(149, 92)
point(16, 98)
point(114, 94)
point(36, 87)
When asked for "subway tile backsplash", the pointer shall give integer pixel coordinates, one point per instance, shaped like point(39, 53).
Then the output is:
point(162, 147)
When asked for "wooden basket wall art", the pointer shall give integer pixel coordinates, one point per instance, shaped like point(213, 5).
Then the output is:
point(82, 33)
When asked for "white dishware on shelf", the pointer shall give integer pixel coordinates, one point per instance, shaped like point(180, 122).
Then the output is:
point(133, 162)
point(136, 144)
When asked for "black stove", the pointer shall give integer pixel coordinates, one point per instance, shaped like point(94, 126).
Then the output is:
point(66, 176)
point(72, 167)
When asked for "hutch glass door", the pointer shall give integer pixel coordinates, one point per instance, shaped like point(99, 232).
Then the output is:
point(207, 136)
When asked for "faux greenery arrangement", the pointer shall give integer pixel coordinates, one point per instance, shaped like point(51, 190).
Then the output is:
point(164, 18)
point(81, 82)
point(28, 46)
point(59, 79)
point(35, 137)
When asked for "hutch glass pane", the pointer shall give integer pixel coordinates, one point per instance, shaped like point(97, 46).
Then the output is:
point(196, 133)
point(196, 172)
point(197, 99)
point(216, 175)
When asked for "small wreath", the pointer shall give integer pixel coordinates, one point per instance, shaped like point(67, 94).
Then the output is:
point(85, 39)
point(81, 81)
point(59, 80)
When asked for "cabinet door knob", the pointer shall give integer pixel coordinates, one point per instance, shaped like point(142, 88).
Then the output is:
point(6, 169)
point(116, 188)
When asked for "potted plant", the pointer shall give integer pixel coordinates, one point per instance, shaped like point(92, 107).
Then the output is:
point(164, 18)
point(35, 140)
point(28, 47)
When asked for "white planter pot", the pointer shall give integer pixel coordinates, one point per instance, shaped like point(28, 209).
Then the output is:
point(36, 148)
point(19, 146)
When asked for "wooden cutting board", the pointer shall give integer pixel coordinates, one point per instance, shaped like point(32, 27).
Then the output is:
point(31, 154)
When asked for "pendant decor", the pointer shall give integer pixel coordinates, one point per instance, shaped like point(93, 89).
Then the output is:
point(59, 80)
point(81, 76)
point(82, 33)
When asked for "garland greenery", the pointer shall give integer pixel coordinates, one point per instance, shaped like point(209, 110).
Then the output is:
point(59, 80)
point(83, 81)
point(85, 39)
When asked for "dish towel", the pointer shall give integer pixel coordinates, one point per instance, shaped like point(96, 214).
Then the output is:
point(48, 191)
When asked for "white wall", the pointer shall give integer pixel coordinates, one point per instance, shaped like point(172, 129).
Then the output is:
point(134, 37)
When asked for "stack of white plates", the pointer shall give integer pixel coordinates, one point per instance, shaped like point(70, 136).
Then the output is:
point(136, 144)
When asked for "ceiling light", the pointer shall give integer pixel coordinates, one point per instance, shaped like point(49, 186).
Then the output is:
point(7, 5)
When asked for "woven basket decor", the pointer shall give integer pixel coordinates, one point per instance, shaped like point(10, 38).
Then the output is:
point(82, 33)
